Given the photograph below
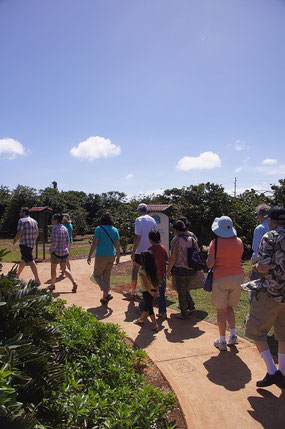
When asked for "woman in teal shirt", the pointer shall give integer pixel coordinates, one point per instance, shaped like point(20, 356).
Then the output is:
point(68, 225)
point(106, 245)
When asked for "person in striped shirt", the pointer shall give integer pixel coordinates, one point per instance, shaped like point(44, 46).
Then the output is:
point(27, 233)
point(59, 251)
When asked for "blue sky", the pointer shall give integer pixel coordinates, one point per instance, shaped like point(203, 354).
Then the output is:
point(142, 95)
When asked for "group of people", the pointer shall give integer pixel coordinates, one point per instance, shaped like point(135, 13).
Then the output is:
point(151, 263)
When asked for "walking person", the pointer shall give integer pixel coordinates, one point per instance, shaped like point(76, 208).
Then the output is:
point(149, 284)
point(106, 245)
point(225, 253)
point(161, 257)
point(27, 233)
point(267, 308)
point(66, 221)
point(178, 268)
point(59, 251)
point(143, 225)
point(263, 227)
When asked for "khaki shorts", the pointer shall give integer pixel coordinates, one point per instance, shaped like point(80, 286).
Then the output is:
point(264, 314)
point(226, 291)
point(56, 260)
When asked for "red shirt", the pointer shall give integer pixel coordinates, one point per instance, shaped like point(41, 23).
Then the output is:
point(161, 256)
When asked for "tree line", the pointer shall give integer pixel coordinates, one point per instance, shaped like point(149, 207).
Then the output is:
point(199, 203)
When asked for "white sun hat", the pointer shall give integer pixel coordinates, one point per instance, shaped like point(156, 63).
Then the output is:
point(223, 227)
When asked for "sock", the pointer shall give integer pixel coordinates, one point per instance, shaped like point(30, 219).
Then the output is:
point(281, 361)
point(233, 332)
point(269, 362)
point(222, 338)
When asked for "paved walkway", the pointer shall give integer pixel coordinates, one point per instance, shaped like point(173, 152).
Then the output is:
point(215, 389)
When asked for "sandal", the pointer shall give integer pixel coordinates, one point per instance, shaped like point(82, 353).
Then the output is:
point(109, 297)
point(138, 322)
point(155, 328)
point(51, 288)
point(74, 289)
point(104, 301)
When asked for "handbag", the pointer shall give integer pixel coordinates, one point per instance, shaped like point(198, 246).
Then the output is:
point(208, 285)
point(194, 259)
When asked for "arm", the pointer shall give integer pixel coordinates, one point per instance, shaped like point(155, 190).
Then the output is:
point(257, 236)
point(54, 241)
point(135, 246)
point(92, 249)
point(211, 256)
point(172, 260)
point(18, 236)
point(262, 268)
point(118, 250)
point(265, 254)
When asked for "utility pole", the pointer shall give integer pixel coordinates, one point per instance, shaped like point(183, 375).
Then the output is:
point(235, 187)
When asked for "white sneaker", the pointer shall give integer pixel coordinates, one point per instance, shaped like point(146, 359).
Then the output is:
point(232, 340)
point(221, 345)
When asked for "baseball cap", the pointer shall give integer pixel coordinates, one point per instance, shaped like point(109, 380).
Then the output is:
point(142, 207)
point(277, 213)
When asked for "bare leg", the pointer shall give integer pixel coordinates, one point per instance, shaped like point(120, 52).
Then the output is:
point(68, 264)
point(143, 316)
point(221, 321)
point(35, 271)
point(67, 272)
point(21, 267)
point(53, 273)
point(133, 287)
point(261, 346)
point(153, 319)
point(231, 317)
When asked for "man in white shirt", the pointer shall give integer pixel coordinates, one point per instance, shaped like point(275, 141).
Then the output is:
point(143, 225)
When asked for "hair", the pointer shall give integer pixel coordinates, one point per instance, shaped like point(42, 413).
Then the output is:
point(277, 211)
point(262, 209)
point(154, 236)
point(66, 218)
point(149, 265)
point(185, 221)
point(58, 217)
point(106, 219)
point(25, 210)
point(179, 225)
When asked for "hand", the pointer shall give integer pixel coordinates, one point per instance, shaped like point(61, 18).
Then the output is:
point(117, 260)
point(152, 293)
point(89, 260)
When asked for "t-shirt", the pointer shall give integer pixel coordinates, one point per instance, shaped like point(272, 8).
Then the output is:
point(161, 257)
point(105, 247)
point(228, 258)
point(143, 225)
point(69, 228)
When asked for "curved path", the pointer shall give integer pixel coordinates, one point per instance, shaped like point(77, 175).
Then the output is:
point(215, 389)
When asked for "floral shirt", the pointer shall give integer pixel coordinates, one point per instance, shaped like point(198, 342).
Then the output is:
point(272, 252)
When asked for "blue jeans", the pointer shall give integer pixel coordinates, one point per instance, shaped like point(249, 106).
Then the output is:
point(162, 301)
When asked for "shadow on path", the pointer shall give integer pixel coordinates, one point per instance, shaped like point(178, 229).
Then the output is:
point(101, 312)
point(145, 336)
point(268, 409)
point(228, 370)
point(181, 330)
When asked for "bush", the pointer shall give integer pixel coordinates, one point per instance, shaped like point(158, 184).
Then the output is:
point(60, 368)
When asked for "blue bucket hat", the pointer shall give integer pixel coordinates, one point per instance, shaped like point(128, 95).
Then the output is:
point(223, 227)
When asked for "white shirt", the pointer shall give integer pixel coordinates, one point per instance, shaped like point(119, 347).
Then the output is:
point(143, 225)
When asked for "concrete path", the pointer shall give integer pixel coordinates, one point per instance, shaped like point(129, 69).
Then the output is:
point(215, 389)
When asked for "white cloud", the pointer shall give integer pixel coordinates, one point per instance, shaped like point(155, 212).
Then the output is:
point(269, 161)
point(271, 171)
point(94, 148)
point(129, 176)
point(10, 148)
point(205, 161)
point(240, 145)
point(237, 170)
